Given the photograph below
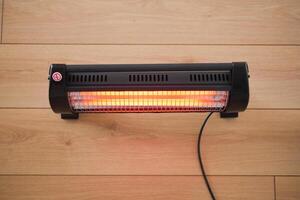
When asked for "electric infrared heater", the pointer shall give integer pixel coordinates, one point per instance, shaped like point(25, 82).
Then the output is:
point(206, 87)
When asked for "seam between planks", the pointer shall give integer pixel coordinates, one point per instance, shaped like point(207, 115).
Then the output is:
point(142, 44)
point(274, 187)
point(154, 175)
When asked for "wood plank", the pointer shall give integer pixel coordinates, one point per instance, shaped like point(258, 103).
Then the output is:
point(37, 141)
point(152, 22)
point(136, 187)
point(274, 82)
point(287, 188)
point(1, 9)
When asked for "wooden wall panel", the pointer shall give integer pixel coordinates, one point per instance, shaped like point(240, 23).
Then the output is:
point(133, 187)
point(1, 22)
point(152, 22)
point(274, 82)
point(287, 188)
point(146, 156)
point(37, 141)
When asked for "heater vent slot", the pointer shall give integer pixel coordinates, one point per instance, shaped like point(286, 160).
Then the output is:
point(209, 77)
point(148, 78)
point(87, 78)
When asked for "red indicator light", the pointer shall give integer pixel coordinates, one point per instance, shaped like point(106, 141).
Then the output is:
point(56, 76)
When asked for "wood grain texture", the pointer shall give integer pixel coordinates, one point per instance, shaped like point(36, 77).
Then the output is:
point(1, 13)
point(149, 156)
point(152, 22)
point(274, 82)
point(37, 141)
point(133, 187)
point(287, 188)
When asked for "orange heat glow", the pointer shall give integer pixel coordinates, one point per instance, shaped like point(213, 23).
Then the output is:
point(148, 101)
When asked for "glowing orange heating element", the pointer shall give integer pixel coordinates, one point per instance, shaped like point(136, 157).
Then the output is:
point(148, 101)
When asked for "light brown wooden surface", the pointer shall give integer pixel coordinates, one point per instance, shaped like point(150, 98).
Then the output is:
point(275, 71)
point(149, 156)
point(288, 188)
point(152, 22)
point(36, 141)
point(1, 3)
point(133, 187)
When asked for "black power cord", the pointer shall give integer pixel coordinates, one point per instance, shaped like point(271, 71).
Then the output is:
point(200, 158)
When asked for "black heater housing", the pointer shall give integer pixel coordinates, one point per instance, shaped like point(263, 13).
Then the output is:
point(231, 77)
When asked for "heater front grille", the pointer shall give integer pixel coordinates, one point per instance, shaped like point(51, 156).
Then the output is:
point(148, 101)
